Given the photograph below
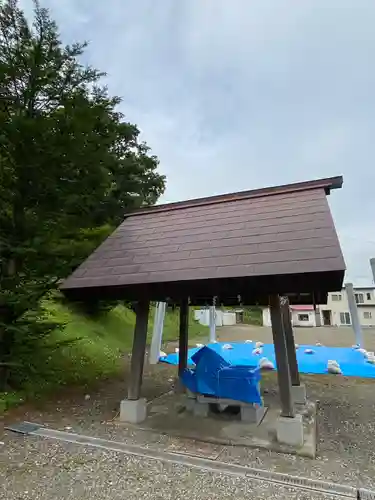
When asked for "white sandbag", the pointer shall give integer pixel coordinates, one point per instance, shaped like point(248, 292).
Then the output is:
point(176, 350)
point(333, 362)
point(199, 345)
point(318, 344)
point(248, 341)
point(266, 364)
point(257, 351)
point(355, 346)
point(162, 354)
point(335, 370)
point(362, 351)
point(258, 345)
point(297, 346)
point(369, 354)
point(309, 351)
point(227, 346)
point(333, 367)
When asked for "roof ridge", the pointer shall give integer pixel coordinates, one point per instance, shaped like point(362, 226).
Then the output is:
point(326, 183)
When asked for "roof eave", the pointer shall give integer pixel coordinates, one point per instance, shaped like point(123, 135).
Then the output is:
point(327, 184)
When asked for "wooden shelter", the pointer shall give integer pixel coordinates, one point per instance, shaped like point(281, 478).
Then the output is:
point(249, 247)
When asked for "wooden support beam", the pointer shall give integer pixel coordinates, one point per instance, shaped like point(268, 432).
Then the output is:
point(184, 336)
point(139, 349)
point(283, 373)
point(289, 339)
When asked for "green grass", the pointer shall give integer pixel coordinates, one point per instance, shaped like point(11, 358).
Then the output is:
point(92, 349)
point(253, 315)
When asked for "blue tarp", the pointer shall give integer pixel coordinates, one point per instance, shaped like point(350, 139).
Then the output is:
point(352, 362)
point(215, 376)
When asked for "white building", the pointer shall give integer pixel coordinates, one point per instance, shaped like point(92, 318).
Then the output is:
point(222, 318)
point(335, 312)
point(301, 316)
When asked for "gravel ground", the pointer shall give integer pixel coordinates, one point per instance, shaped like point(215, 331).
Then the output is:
point(47, 469)
point(43, 469)
point(330, 336)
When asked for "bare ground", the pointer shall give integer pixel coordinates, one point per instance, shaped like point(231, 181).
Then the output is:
point(329, 336)
point(47, 470)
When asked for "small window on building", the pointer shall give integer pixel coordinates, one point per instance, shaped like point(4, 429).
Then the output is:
point(345, 318)
point(303, 317)
point(367, 315)
point(359, 298)
point(368, 295)
point(336, 296)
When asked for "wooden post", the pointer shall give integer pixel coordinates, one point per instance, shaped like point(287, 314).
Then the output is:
point(289, 339)
point(283, 373)
point(139, 349)
point(184, 336)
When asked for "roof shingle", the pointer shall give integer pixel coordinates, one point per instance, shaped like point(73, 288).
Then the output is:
point(283, 231)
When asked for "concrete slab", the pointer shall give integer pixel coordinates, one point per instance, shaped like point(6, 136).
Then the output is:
point(170, 417)
point(133, 411)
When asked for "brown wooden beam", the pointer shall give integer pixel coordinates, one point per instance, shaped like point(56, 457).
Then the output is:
point(139, 349)
point(184, 335)
point(289, 339)
point(283, 373)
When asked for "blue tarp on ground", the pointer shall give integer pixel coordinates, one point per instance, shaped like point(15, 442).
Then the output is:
point(352, 362)
point(215, 376)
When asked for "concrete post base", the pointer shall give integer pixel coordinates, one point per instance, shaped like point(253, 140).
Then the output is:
point(201, 409)
point(179, 387)
point(190, 404)
point(290, 430)
point(252, 414)
point(190, 394)
point(299, 394)
point(133, 411)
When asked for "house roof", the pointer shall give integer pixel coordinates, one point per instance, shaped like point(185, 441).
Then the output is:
point(302, 307)
point(279, 239)
point(362, 288)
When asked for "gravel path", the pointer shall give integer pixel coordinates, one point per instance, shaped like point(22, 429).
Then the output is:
point(47, 469)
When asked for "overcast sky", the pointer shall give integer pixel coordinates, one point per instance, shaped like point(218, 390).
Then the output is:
point(242, 94)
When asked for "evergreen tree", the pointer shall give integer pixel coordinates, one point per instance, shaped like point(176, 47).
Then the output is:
point(70, 166)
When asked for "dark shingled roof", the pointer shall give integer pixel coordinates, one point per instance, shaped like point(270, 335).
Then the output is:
point(280, 239)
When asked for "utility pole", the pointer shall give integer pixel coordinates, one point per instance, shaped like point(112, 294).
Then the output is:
point(372, 264)
point(354, 314)
point(212, 322)
point(157, 333)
